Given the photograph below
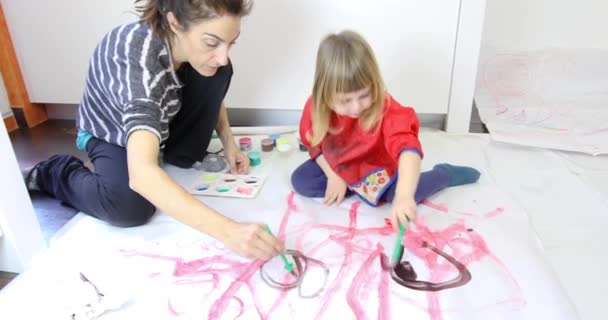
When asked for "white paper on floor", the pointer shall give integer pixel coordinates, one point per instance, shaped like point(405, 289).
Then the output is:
point(165, 270)
point(553, 98)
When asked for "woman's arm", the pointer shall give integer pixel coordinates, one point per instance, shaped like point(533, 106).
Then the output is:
point(154, 184)
point(223, 127)
point(239, 163)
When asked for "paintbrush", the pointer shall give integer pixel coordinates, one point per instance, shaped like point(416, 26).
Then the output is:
point(287, 265)
point(398, 252)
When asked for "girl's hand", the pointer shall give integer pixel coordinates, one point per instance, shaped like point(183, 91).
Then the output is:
point(335, 190)
point(239, 163)
point(403, 208)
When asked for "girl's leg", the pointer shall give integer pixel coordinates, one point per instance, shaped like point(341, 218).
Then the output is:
point(191, 130)
point(104, 194)
point(442, 176)
point(309, 180)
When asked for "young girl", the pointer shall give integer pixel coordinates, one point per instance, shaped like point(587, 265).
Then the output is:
point(360, 139)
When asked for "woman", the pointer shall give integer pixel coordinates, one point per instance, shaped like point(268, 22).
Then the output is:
point(157, 84)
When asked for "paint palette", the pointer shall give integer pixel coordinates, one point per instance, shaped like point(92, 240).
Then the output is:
point(227, 185)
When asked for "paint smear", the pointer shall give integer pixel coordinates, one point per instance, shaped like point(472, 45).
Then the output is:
point(437, 206)
point(222, 189)
point(210, 178)
point(494, 213)
point(405, 275)
point(245, 190)
point(454, 247)
point(202, 187)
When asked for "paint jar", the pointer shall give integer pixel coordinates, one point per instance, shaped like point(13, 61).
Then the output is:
point(274, 138)
point(255, 158)
point(245, 144)
point(283, 145)
point(302, 146)
point(267, 145)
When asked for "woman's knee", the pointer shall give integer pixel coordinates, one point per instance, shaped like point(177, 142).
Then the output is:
point(130, 210)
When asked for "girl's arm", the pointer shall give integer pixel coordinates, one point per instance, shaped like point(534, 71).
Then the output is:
point(322, 162)
point(404, 203)
point(336, 186)
point(409, 172)
point(154, 184)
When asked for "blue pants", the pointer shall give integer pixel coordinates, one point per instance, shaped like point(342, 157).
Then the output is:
point(309, 180)
point(105, 193)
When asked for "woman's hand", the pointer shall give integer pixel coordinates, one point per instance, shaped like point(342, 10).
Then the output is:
point(239, 163)
point(251, 240)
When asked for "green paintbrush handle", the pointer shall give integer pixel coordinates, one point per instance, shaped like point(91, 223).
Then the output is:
point(399, 244)
point(288, 266)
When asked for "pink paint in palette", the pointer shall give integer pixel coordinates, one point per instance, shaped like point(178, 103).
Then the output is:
point(228, 185)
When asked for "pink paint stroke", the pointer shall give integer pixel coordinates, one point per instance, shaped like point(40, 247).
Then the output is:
point(463, 244)
point(488, 215)
point(357, 289)
point(494, 213)
point(437, 206)
point(348, 234)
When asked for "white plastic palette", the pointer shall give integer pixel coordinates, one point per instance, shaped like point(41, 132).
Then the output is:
point(227, 185)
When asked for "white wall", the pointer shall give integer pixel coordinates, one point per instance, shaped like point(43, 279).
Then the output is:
point(5, 107)
point(413, 41)
point(538, 24)
point(274, 58)
point(54, 40)
point(22, 238)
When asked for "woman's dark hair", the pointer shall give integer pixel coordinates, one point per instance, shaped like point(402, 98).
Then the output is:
point(187, 12)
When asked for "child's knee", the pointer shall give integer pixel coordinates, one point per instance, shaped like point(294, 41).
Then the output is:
point(307, 186)
point(297, 180)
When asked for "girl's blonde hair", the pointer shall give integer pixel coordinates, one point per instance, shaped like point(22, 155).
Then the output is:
point(345, 63)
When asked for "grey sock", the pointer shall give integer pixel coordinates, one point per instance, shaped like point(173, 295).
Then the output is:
point(30, 177)
point(459, 175)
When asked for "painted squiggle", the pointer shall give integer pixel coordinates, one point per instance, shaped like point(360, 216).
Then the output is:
point(295, 281)
point(361, 275)
point(404, 274)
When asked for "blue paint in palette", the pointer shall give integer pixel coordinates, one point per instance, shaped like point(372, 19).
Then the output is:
point(202, 187)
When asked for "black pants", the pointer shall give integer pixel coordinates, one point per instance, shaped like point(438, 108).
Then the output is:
point(105, 193)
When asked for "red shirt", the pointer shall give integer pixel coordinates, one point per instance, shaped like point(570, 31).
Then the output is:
point(367, 161)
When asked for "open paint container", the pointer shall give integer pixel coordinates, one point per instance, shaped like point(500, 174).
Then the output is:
point(283, 145)
point(245, 144)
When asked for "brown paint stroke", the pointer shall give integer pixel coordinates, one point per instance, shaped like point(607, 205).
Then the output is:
point(404, 274)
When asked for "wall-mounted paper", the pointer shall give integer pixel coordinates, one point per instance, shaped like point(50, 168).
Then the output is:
point(555, 99)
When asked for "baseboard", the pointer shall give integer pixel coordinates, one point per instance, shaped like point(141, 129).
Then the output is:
point(249, 117)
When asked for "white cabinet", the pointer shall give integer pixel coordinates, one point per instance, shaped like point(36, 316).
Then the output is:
point(415, 41)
